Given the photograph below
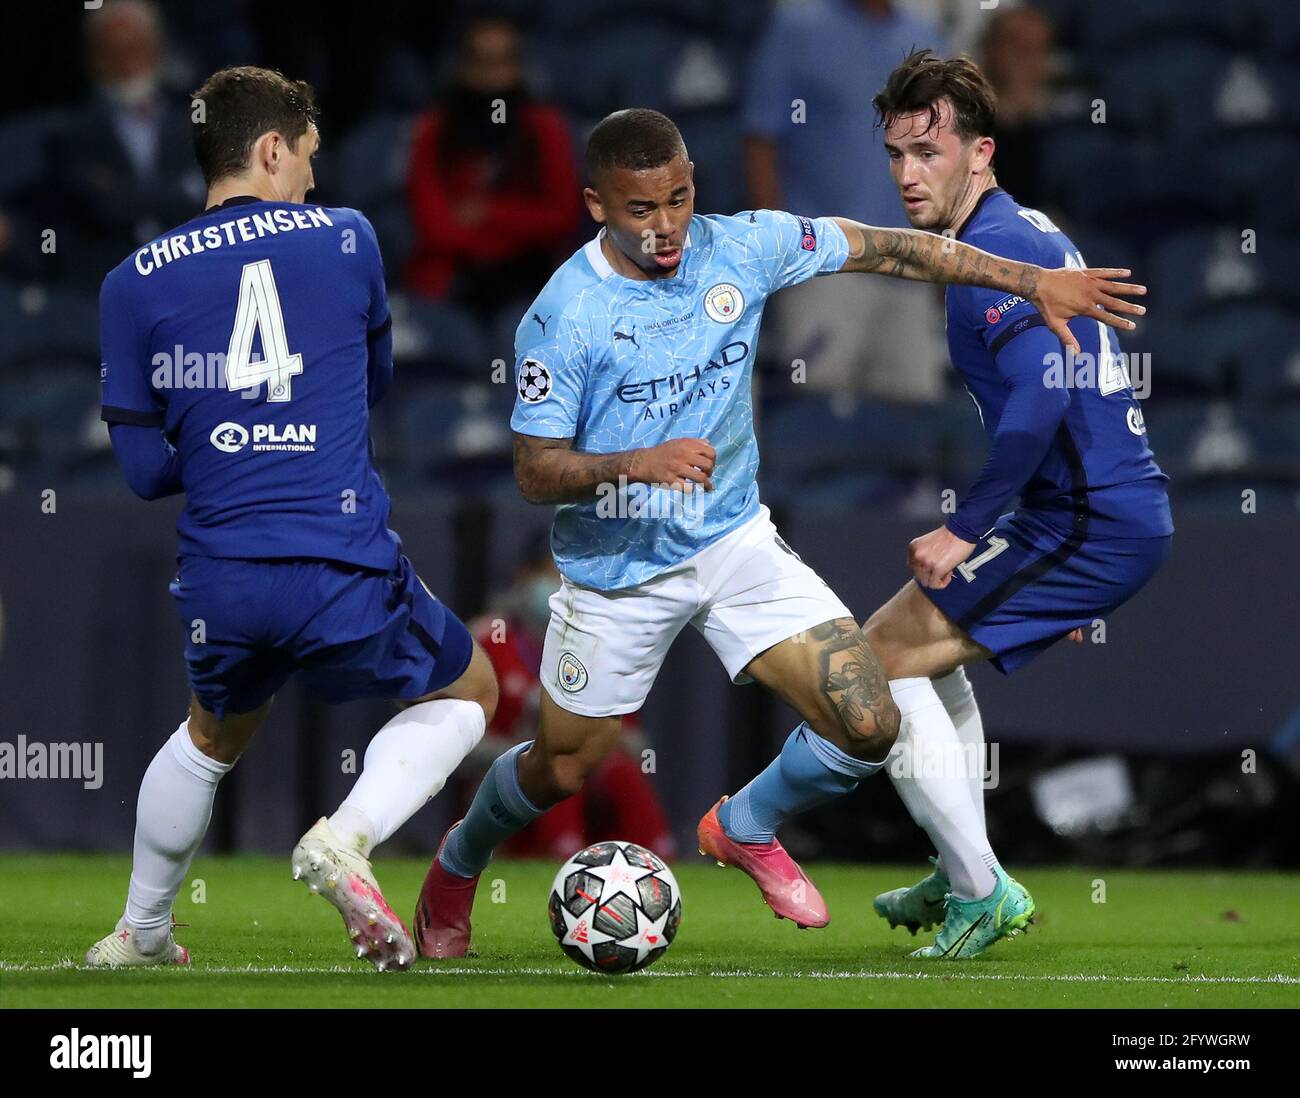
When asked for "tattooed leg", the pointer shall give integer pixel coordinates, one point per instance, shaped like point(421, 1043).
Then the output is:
point(831, 677)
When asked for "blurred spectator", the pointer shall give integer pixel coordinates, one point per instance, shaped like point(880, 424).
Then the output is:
point(493, 187)
point(1017, 58)
point(812, 148)
point(618, 801)
point(962, 22)
point(124, 160)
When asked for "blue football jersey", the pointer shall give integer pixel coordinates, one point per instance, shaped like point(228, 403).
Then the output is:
point(243, 335)
point(620, 364)
point(1098, 467)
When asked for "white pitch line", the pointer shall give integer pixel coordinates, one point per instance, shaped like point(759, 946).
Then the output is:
point(666, 974)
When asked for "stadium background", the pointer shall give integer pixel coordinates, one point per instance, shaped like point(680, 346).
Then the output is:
point(1193, 180)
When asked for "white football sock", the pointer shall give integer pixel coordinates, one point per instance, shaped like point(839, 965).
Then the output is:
point(408, 762)
point(171, 818)
point(958, 699)
point(929, 769)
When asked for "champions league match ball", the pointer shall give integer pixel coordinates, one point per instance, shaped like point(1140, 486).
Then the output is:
point(615, 907)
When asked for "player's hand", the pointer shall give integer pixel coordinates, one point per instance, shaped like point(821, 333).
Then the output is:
point(1065, 292)
point(1075, 635)
point(933, 556)
point(679, 463)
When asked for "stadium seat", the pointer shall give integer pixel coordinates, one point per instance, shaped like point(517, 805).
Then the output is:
point(370, 172)
point(22, 153)
point(1101, 248)
point(1178, 78)
point(53, 416)
point(1258, 173)
point(815, 436)
point(1253, 346)
point(1178, 367)
point(372, 164)
point(45, 326)
point(1135, 186)
point(1252, 93)
point(1088, 171)
point(1275, 443)
point(453, 429)
point(407, 84)
point(422, 423)
point(437, 336)
point(579, 17)
point(1200, 444)
point(1171, 429)
point(713, 140)
point(1194, 271)
point(646, 62)
point(1272, 25)
point(1152, 21)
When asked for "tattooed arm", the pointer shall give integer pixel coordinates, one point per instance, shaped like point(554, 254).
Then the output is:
point(928, 257)
point(549, 470)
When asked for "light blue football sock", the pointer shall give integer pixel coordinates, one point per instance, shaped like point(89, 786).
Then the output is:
point(809, 771)
point(499, 809)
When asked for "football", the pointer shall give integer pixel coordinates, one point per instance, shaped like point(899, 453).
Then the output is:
point(615, 907)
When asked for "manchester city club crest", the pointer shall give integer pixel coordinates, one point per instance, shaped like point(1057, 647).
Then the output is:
point(724, 303)
point(573, 676)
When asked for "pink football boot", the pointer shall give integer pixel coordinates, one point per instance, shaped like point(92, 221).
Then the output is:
point(785, 887)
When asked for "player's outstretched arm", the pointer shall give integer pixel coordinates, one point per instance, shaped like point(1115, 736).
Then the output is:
point(1058, 294)
point(549, 470)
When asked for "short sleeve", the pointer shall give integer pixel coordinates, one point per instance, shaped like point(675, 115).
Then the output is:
point(550, 379)
point(128, 395)
point(794, 248)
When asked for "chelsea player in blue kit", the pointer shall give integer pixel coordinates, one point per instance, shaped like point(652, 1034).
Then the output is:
point(241, 354)
point(1067, 436)
point(634, 417)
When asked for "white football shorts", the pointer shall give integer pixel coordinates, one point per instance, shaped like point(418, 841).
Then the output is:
point(746, 592)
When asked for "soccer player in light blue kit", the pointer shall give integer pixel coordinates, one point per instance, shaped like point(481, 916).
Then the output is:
point(634, 416)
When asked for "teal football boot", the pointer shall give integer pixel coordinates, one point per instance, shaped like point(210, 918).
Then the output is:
point(919, 907)
point(971, 926)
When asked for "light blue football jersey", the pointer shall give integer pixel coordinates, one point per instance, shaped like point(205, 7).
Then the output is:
point(620, 364)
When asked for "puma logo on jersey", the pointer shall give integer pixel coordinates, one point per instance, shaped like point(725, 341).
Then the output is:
point(542, 323)
point(629, 338)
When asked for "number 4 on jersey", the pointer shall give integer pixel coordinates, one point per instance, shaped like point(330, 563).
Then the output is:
point(259, 311)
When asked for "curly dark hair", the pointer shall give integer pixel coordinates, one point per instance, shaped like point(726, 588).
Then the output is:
point(924, 78)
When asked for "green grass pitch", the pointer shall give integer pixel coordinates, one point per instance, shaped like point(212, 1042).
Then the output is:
point(1160, 939)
